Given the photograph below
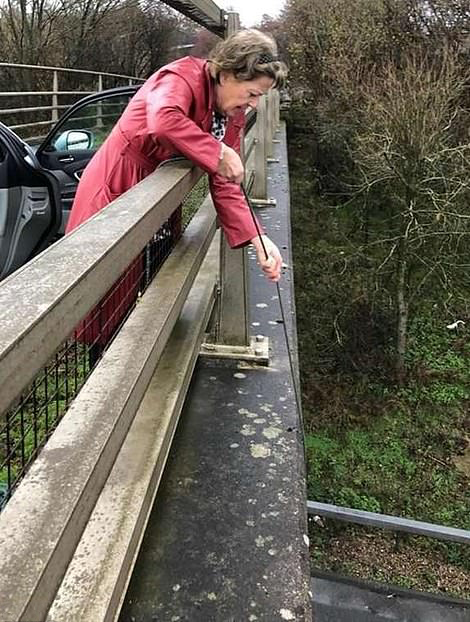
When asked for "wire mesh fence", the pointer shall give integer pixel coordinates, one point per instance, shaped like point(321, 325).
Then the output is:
point(25, 428)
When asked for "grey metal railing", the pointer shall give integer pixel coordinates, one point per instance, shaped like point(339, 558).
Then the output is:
point(42, 314)
point(110, 398)
point(386, 521)
point(46, 518)
point(56, 95)
point(25, 428)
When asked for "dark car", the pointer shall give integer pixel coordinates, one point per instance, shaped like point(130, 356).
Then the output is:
point(38, 184)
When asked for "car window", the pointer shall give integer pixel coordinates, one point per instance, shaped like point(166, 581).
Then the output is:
point(89, 125)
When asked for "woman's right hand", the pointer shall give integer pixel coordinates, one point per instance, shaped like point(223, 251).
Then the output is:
point(230, 165)
point(269, 257)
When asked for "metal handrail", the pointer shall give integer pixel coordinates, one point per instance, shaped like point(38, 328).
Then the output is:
point(82, 118)
point(386, 521)
point(37, 329)
point(69, 70)
point(40, 108)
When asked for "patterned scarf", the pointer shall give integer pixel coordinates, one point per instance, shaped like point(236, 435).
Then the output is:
point(219, 124)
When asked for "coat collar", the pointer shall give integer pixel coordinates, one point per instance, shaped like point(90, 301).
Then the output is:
point(210, 81)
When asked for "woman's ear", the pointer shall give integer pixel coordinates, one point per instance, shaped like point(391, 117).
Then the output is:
point(224, 77)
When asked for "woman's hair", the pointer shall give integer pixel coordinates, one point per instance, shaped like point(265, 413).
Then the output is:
point(249, 54)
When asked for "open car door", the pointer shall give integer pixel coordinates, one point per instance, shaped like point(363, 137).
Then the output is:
point(37, 186)
point(30, 212)
point(77, 135)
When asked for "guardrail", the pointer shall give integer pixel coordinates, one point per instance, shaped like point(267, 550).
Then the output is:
point(26, 427)
point(385, 521)
point(46, 518)
point(97, 77)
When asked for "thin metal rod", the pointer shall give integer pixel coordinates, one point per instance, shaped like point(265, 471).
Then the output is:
point(283, 315)
point(385, 521)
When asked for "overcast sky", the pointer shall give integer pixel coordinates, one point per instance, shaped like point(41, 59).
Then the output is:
point(251, 11)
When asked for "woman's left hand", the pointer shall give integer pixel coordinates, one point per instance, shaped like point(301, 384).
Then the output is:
point(272, 264)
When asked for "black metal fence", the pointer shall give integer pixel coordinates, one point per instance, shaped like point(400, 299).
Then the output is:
point(28, 425)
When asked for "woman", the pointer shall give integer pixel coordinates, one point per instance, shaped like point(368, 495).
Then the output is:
point(195, 108)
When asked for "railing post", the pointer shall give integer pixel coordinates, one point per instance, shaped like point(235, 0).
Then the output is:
point(268, 126)
point(259, 188)
point(55, 98)
point(277, 95)
point(99, 107)
point(233, 320)
point(274, 117)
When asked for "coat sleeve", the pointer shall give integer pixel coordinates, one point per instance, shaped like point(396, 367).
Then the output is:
point(168, 106)
point(234, 214)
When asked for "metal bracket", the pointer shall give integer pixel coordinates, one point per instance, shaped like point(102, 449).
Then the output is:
point(256, 352)
point(263, 202)
point(276, 141)
point(272, 160)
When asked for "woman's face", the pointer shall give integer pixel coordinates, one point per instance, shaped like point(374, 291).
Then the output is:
point(234, 96)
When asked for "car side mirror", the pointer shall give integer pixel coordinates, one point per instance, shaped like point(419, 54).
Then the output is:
point(74, 140)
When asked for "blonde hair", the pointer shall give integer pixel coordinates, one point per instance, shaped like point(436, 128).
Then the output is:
point(249, 54)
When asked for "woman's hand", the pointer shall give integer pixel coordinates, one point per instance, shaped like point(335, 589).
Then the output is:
point(230, 165)
point(272, 264)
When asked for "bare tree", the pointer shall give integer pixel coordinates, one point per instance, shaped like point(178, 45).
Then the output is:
point(385, 94)
point(29, 28)
point(411, 153)
point(81, 30)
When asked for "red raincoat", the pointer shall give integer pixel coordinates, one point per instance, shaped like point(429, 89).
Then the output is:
point(170, 114)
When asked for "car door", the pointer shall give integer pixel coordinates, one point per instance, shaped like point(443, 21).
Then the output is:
point(74, 139)
point(30, 213)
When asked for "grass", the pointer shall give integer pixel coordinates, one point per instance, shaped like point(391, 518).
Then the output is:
point(400, 459)
point(195, 199)
point(39, 410)
point(406, 561)
point(397, 463)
